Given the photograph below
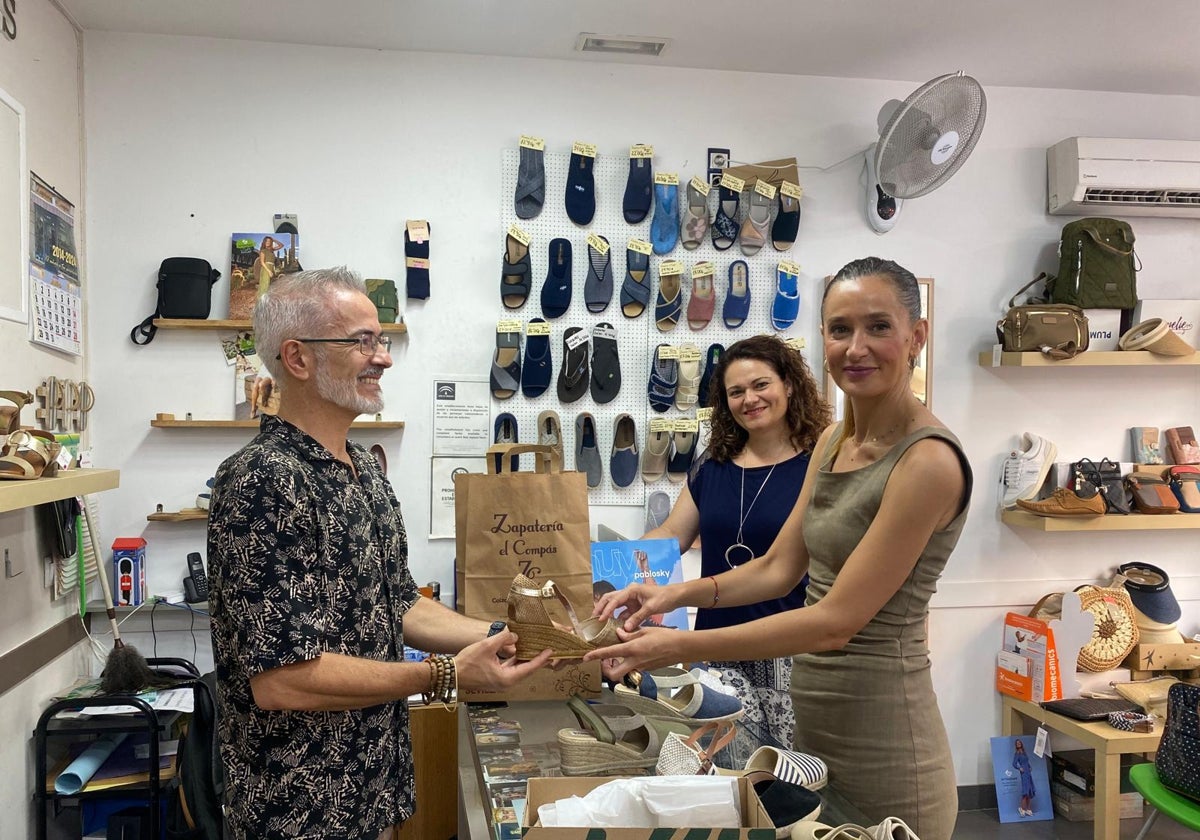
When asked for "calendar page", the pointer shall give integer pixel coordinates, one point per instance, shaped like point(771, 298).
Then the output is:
point(56, 292)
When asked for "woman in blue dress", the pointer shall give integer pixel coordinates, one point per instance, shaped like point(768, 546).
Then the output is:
point(1021, 765)
point(767, 415)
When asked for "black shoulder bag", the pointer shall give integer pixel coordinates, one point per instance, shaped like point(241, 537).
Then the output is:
point(184, 291)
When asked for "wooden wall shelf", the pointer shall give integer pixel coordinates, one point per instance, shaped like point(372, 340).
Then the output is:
point(183, 515)
point(241, 326)
point(1096, 358)
point(1108, 522)
point(15, 495)
point(253, 424)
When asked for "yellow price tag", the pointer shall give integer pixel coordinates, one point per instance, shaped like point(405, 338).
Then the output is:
point(791, 190)
point(416, 262)
point(528, 141)
point(598, 243)
point(516, 233)
point(689, 353)
point(641, 150)
point(641, 246)
point(704, 415)
point(796, 343)
point(700, 186)
point(732, 182)
point(538, 328)
point(670, 267)
point(508, 325)
point(668, 178)
point(764, 188)
point(668, 351)
point(661, 424)
point(585, 149)
point(687, 424)
point(789, 267)
point(418, 230)
point(702, 269)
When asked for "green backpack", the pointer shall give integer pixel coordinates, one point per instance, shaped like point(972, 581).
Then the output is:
point(387, 302)
point(1096, 268)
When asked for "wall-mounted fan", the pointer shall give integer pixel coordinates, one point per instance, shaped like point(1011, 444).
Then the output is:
point(922, 142)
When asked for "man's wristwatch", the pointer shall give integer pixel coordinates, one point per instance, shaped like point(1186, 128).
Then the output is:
point(497, 627)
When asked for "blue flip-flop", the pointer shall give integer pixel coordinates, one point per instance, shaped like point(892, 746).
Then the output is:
point(737, 302)
point(664, 230)
point(556, 291)
point(786, 305)
point(538, 367)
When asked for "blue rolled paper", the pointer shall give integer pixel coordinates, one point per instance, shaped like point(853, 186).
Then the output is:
point(79, 771)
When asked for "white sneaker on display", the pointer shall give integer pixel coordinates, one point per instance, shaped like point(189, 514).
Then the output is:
point(1025, 470)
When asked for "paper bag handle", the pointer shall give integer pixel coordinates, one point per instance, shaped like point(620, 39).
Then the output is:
point(546, 459)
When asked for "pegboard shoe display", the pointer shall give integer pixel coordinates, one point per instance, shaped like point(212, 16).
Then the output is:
point(623, 463)
point(514, 273)
point(670, 297)
point(556, 290)
point(635, 290)
point(664, 378)
point(655, 454)
point(598, 287)
point(587, 450)
point(506, 365)
point(684, 446)
point(737, 299)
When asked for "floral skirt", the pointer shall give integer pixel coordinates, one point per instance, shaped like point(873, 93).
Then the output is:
point(763, 687)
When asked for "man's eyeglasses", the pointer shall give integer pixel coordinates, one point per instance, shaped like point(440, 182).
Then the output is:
point(367, 342)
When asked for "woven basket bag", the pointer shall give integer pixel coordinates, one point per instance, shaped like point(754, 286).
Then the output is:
point(1115, 632)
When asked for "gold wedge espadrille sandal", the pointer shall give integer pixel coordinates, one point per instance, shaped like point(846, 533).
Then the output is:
point(529, 619)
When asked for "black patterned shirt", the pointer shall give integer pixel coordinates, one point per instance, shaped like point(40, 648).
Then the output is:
point(303, 558)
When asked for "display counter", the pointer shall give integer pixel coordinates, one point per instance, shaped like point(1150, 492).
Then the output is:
point(495, 758)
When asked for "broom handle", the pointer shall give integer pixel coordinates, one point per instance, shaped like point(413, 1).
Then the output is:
point(108, 599)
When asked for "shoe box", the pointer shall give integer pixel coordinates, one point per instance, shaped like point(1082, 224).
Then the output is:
point(1076, 807)
point(1075, 770)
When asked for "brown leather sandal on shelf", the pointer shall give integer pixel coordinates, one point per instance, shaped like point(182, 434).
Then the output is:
point(10, 415)
point(528, 618)
point(29, 454)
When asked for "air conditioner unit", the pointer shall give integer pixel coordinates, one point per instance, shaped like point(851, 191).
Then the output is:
point(1101, 176)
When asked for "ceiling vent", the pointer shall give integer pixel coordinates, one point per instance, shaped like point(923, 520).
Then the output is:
point(621, 44)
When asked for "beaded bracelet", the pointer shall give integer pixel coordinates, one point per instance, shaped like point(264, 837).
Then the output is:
point(443, 682)
point(1131, 721)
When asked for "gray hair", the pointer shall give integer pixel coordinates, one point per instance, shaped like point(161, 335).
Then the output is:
point(908, 291)
point(297, 305)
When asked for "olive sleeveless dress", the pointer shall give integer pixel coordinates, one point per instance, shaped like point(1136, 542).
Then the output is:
point(868, 710)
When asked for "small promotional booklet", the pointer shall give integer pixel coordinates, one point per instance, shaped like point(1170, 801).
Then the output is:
point(1022, 780)
point(618, 563)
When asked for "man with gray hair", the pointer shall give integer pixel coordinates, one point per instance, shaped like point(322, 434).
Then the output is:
point(312, 601)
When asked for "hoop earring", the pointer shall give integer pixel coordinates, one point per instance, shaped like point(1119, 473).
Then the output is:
point(825, 363)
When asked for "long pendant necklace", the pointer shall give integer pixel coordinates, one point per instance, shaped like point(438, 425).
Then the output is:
point(742, 516)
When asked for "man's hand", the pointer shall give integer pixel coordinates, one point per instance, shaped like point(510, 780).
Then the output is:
point(481, 668)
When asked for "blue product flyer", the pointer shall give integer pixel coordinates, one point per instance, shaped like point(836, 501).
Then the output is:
point(1022, 780)
point(619, 563)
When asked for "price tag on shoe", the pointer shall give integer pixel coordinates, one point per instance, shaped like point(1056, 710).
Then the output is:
point(732, 182)
point(764, 188)
point(583, 149)
point(702, 187)
point(791, 190)
point(508, 325)
point(662, 424)
point(538, 328)
point(641, 150)
point(669, 267)
point(689, 353)
point(641, 246)
point(668, 351)
point(528, 141)
point(668, 178)
point(704, 415)
point(577, 339)
point(603, 332)
point(686, 424)
point(702, 269)
point(516, 233)
point(789, 267)
point(598, 243)
point(796, 343)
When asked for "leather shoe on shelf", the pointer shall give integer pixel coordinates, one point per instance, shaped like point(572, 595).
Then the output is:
point(1063, 502)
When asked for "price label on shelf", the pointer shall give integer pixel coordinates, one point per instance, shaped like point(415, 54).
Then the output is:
point(538, 328)
point(700, 186)
point(668, 351)
point(704, 415)
point(703, 269)
point(670, 267)
point(686, 424)
point(732, 182)
point(791, 190)
point(661, 424)
point(789, 267)
point(598, 243)
point(583, 149)
point(764, 188)
point(577, 339)
point(516, 233)
point(528, 141)
point(796, 343)
point(668, 178)
point(641, 246)
point(689, 353)
point(508, 325)
point(641, 150)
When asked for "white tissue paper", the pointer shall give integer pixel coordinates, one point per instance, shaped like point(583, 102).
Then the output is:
point(654, 802)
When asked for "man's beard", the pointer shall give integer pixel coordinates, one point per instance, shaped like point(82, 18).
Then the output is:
point(342, 392)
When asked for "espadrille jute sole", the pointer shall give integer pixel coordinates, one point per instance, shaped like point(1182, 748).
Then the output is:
point(532, 639)
point(583, 755)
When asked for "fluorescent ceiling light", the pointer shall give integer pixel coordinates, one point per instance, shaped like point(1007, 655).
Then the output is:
point(621, 44)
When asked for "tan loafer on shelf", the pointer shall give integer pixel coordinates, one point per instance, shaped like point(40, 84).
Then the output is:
point(536, 631)
point(1064, 503)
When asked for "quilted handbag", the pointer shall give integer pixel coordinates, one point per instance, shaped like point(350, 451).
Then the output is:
point(1178, 758)
point(1151, 494)
point(1185, 484)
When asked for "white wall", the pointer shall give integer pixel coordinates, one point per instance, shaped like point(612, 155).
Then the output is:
point(40, 69)
point(190, 139)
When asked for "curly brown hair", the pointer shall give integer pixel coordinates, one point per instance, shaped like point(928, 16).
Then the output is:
point(807, 413)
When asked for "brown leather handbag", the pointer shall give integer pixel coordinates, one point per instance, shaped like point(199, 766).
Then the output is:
point(1058, 330)
point(1151, 494)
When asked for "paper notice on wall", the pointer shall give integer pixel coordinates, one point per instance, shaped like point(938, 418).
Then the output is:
point(441, 490)
point(461, 416)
